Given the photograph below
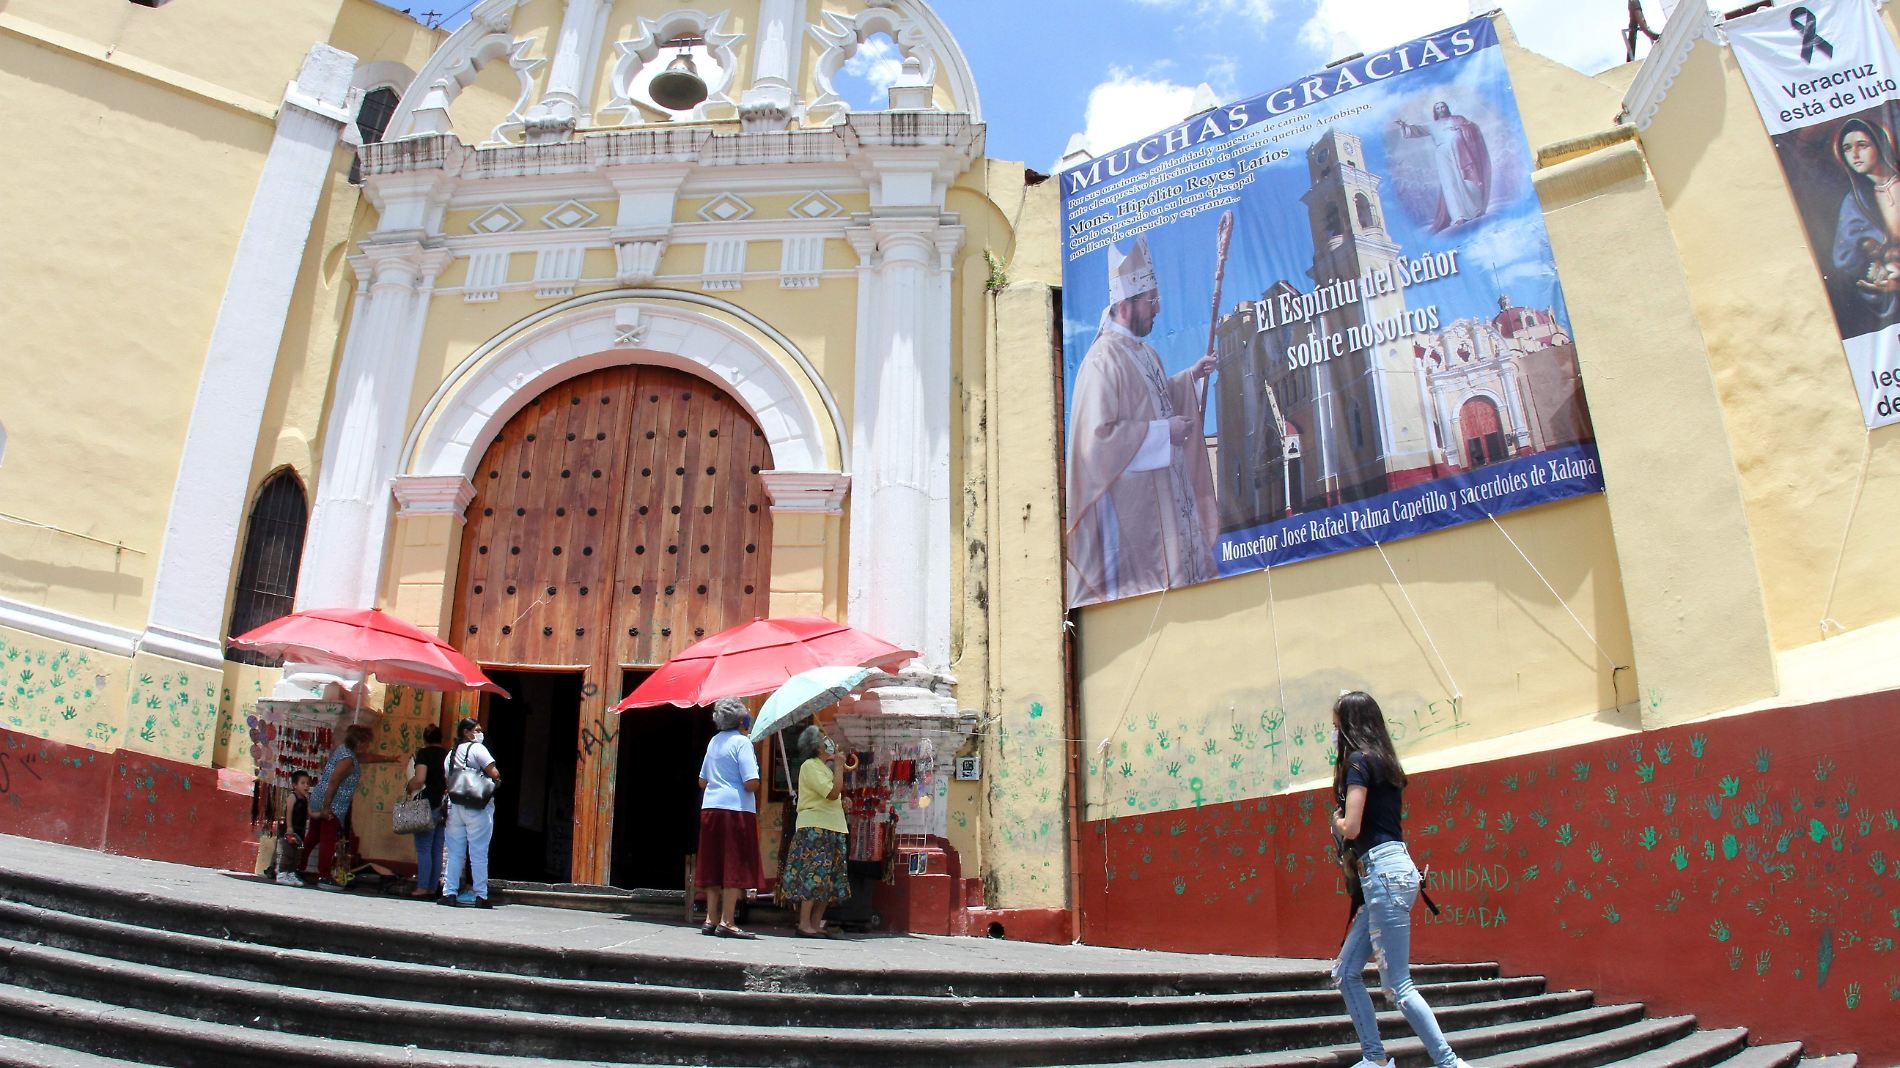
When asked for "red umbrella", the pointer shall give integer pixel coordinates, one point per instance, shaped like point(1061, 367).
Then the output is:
point(371, 641)
point(758, 657)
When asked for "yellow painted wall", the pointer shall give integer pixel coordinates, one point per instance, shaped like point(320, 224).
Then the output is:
point(1792, 413)
point(136, 289)
point(169, 43)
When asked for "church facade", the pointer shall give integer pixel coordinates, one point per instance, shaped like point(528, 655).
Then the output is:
point(481, 329)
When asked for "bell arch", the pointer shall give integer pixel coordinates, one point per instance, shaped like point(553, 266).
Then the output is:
point(599, 330)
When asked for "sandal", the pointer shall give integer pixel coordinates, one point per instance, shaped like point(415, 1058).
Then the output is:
point(708, 928)
point(732, 932)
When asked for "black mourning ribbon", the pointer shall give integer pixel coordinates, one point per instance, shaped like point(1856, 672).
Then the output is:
point(1802, 19)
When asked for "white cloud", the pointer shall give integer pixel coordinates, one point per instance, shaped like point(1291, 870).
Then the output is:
point(877, 63)
point(1584, 36)
point(1260, 10)
point(1129, 106)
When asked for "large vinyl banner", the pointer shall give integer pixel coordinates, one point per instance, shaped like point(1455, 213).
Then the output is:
point(1314, 320)
point(1824, 76)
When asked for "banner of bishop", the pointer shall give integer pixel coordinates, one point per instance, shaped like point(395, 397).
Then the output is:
point(1311, 321)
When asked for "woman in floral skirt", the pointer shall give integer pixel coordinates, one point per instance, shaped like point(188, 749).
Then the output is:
point(814, 871)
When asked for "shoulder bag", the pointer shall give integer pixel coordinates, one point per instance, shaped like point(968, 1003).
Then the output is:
point(468, 787)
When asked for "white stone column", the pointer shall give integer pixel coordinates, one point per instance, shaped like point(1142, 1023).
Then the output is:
point(900, 509)
point(362, 440)
point(772, 98)
point(576, 53)
point(214, 472)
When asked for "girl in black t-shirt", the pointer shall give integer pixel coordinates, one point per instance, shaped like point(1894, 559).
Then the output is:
point(1369, 784)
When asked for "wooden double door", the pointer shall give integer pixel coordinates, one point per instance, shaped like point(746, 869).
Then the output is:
point(617, 518)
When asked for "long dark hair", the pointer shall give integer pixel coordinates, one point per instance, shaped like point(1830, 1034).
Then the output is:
point(1362, 730)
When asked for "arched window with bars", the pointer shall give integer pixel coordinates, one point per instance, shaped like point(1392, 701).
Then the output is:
point(273, 550)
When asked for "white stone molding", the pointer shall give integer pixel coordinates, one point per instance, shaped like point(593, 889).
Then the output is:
point(636, 54)
point(213, 487)
point(821, 492)
point(571, 215)
point(576, 50)
point(909, 160)
point(918, 33)
point(557, 270)
point(912, 91)
point(487, 273)
point(629, 331)
point(343, 553)
point(771, 101)
point(801, 261)
point(1690, 23)
point(530, 357)
point(485, 37)
point(65, 627)
point(419, 495)
point(637, 262)
point(841, 36)
point(725, 263)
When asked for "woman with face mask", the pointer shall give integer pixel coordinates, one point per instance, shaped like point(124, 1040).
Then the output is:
point(1369, 784)
point(814, 871)
point(470, 829)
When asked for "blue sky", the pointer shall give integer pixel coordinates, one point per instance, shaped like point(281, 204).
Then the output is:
point(1115, 70)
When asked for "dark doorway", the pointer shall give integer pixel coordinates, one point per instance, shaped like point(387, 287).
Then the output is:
point(656, 800)
point(533, 737)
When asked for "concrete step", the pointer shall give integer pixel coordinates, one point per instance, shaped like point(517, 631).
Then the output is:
point(329, 1014)
point(1838, 1060)
point(20, 1053)
point(1631, 1042)
point(156, 1038)
point(433, 983)
point(288, 929)
point(1780, 1055)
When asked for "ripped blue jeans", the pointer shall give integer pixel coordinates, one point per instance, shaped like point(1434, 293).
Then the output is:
point(1384, 927)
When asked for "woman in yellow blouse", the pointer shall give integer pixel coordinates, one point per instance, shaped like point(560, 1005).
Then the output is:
point(814, 870)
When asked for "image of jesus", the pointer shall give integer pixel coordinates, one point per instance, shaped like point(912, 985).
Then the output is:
point(1461, 163)
point(1142, 513)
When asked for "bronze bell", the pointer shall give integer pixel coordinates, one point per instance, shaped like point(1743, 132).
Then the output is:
point(679, 87)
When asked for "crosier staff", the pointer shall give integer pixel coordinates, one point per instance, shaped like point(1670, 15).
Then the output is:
point(1222, 241)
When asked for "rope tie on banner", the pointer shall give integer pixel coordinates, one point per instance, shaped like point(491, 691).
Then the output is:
point(1860, 486)
point(1535, 570)
point(1456, 693)
point(1273, 624)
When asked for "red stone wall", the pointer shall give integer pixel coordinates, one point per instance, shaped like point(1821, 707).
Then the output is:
point(122, 802)
point(1744, 869)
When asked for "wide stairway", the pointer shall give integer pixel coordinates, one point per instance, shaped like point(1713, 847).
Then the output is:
point(94, 973)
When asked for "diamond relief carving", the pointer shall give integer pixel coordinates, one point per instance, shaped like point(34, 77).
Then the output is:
point(496, 220)
point(816, 206)
point(725, 208)
point(569, 216)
